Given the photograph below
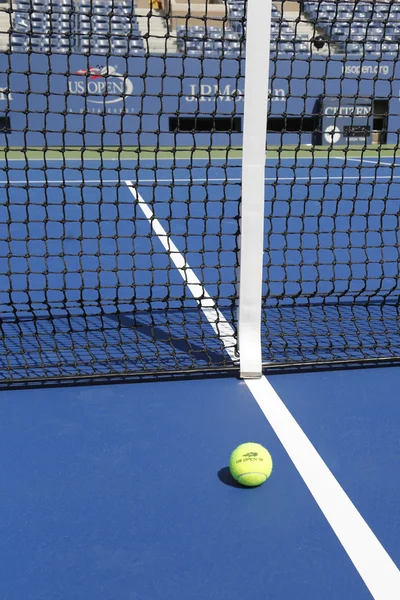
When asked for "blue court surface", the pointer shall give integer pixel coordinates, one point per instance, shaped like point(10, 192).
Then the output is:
point(79, 236)
point(83, 219)
point(123, 492)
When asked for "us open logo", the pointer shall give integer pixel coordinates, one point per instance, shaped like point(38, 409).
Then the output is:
point(106, 82)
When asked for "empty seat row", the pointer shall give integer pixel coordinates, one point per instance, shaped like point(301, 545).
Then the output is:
point(41, 23)
point(77, 44)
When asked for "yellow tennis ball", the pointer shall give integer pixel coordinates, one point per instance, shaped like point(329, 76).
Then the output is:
point(250, 464)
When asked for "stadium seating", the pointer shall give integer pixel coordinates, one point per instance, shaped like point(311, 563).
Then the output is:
point(368, 28)
point(371, 29)
point(211, 41)
point(87, 26)
point(228, 41)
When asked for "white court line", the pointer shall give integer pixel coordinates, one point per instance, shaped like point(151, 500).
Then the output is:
point(374, 565)
point(153, 160)
point(361, 161)
point(379, 573)
point(172, 159)
point(121, 181)
point(214, 316)
point(202, 180)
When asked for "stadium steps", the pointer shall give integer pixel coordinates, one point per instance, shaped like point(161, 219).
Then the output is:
point(155, 31)
point(304, 29)
point(4, 26)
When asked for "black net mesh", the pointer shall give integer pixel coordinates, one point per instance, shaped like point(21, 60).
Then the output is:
point(118, 133)
point(121, 133)
point(331, 263)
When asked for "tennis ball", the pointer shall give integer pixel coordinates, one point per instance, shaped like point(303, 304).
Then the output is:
point(250, 464)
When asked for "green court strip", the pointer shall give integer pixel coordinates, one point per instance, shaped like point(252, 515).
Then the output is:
point(186, 153)
point(114, 153)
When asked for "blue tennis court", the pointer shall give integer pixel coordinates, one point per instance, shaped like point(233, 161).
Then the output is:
point(123, 491)
point(199, 248)
point(88, 243)
point(352, 210)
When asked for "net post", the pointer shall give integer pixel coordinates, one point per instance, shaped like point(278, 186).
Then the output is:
point(259, 13)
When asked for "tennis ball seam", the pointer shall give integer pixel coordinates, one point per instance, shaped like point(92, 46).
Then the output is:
point(252, 473)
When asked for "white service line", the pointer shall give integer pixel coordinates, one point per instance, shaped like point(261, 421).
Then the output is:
point(362, 160)
point(77, 182)
point(177, 160)
point(203, 180)
point(374, 565)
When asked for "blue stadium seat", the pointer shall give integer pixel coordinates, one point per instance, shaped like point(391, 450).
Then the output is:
point(60, 44)
point(120, 46)
point(194, 52)
point(209, 46)
point(301, 48)
point(216, 35)
point(198, 35)
point(232, 35)
point(230, 54)
point(377, 31)
point(19, 43)
point(357, 38)
point(233, 47)
point(236, 14)
point(353, 48)
point(285, 47)
point(374, 38)
point(192, 45)
point(380, 9)
point(390, 47)
point(343, 15)
point(40, 44)
point(211, 53)
point(287, 36)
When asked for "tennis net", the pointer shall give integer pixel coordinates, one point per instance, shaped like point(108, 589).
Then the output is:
point(331, 248)
point(120, 188)
point(140, 232)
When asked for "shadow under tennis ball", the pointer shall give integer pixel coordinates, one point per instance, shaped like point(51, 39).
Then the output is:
point(224, 475)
